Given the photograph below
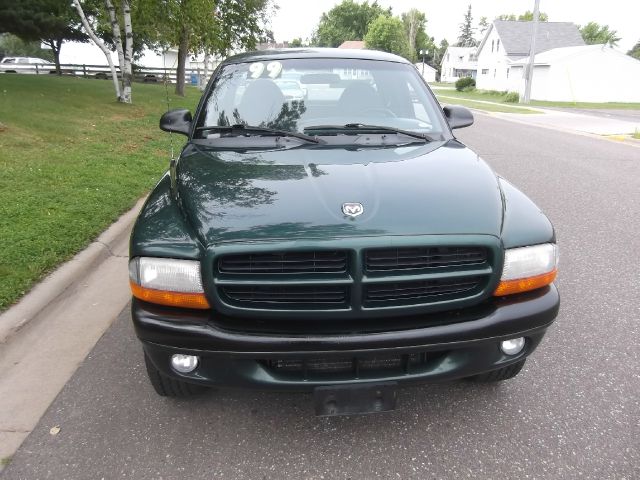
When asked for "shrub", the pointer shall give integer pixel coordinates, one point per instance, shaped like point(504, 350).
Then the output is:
point(463, 82)
point(512, 97)
point(470, 88)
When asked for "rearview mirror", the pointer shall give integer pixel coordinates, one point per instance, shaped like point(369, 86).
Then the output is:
point(458, 117)
point(178, 121)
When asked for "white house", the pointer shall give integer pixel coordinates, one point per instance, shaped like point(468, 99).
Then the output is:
point(589, 73)
point(427, 71)
point(508, 42)
point(458, 62)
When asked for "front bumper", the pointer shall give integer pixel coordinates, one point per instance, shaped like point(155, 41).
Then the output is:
point(446, 351)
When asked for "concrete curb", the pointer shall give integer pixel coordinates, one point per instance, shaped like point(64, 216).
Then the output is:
point(56, 283)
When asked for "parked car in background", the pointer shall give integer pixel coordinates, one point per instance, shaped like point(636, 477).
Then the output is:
point(291, 89)
point(30, 65)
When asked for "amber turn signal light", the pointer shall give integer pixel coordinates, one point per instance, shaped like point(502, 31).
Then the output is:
point(509, 287)
point(171, 299)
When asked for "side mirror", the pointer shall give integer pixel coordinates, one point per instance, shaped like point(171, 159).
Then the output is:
point(458, 117)
point(178, 121)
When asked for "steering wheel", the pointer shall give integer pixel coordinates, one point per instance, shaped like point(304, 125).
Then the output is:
point(388, 112)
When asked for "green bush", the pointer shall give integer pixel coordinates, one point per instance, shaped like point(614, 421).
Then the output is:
point(464, 82)
point(469, 88)
point(512, 97)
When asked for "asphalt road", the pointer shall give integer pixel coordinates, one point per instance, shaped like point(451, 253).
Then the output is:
point(573, 412)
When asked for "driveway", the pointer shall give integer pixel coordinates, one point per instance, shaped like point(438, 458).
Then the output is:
point(574, 411)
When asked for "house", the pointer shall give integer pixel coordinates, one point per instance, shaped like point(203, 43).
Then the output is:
point(353, 44)
point(458, 62)
point(506, 42)
point(427, 71)
point(588, 73)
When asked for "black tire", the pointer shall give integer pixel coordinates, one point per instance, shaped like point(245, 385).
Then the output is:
point(504, 373)
point(170, 387)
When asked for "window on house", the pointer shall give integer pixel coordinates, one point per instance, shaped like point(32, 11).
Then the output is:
point(447, 57)
point(492, 45)
point(494, 73)
point(497, 45)
point(485, 71)
point(507, 73)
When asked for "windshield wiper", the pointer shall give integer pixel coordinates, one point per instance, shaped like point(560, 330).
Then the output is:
point(241, 129)
point(364, 128)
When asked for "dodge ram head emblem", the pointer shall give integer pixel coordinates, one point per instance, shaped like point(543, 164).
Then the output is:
point(352, 209)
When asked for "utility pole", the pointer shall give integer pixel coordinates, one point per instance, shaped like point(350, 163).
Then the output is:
point(532, 54)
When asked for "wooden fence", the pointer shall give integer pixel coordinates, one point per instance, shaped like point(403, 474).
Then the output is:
point(194, 76)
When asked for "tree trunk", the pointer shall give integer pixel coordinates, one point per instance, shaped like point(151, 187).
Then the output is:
point(115, 29)
point(183, 48)
point(55, 48)
point(100, 44)
point(127, 75)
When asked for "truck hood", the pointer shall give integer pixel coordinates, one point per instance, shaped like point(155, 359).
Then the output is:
point(435, 188)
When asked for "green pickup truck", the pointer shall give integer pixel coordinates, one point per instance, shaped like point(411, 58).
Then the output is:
point(341, 241)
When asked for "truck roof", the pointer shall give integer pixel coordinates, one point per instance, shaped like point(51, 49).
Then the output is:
point(285, 53)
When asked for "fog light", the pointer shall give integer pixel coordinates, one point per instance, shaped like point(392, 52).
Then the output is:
point(184, 363)
point(513, 346)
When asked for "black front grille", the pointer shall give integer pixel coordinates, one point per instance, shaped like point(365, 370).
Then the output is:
point(420, 290)
point(418, 258)
point(356, 367)
point(332, 261)
point(284, 294)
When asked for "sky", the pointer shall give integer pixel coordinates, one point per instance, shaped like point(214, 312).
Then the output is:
point(298, 18)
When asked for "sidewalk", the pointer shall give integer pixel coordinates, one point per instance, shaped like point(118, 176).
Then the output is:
point(45, 336)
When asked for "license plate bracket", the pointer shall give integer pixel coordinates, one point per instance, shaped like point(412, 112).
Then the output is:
point(355, 399)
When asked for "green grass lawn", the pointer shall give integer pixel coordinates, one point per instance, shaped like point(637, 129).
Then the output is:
point(447, 99)
point(493, 96)
point(72, 161)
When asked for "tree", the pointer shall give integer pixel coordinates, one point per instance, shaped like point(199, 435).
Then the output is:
point(483, 24)
point(528, 17)
point(595, 34)
point(525, 17)
point(100, 44)
point(414, 25)
point(635, 51)
point(51, 22)
point(12, 46)
point(387, 34)
point(295, 43)
point(203, 26)
point(346, 21)
point(466, 39)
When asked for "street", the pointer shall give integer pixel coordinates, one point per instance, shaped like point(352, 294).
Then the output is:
point(574, 411)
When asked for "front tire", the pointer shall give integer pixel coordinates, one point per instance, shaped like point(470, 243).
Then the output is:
point(504, 373)
point(170, 387)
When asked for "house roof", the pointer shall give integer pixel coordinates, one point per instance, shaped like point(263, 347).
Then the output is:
point(352, 44)
point(516, 36)
point(426, 66)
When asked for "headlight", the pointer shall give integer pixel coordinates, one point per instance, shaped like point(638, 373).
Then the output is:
point(528, 268)
point(166, 281)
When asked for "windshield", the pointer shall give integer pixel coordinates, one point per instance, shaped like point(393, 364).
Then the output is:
point(297, 95)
